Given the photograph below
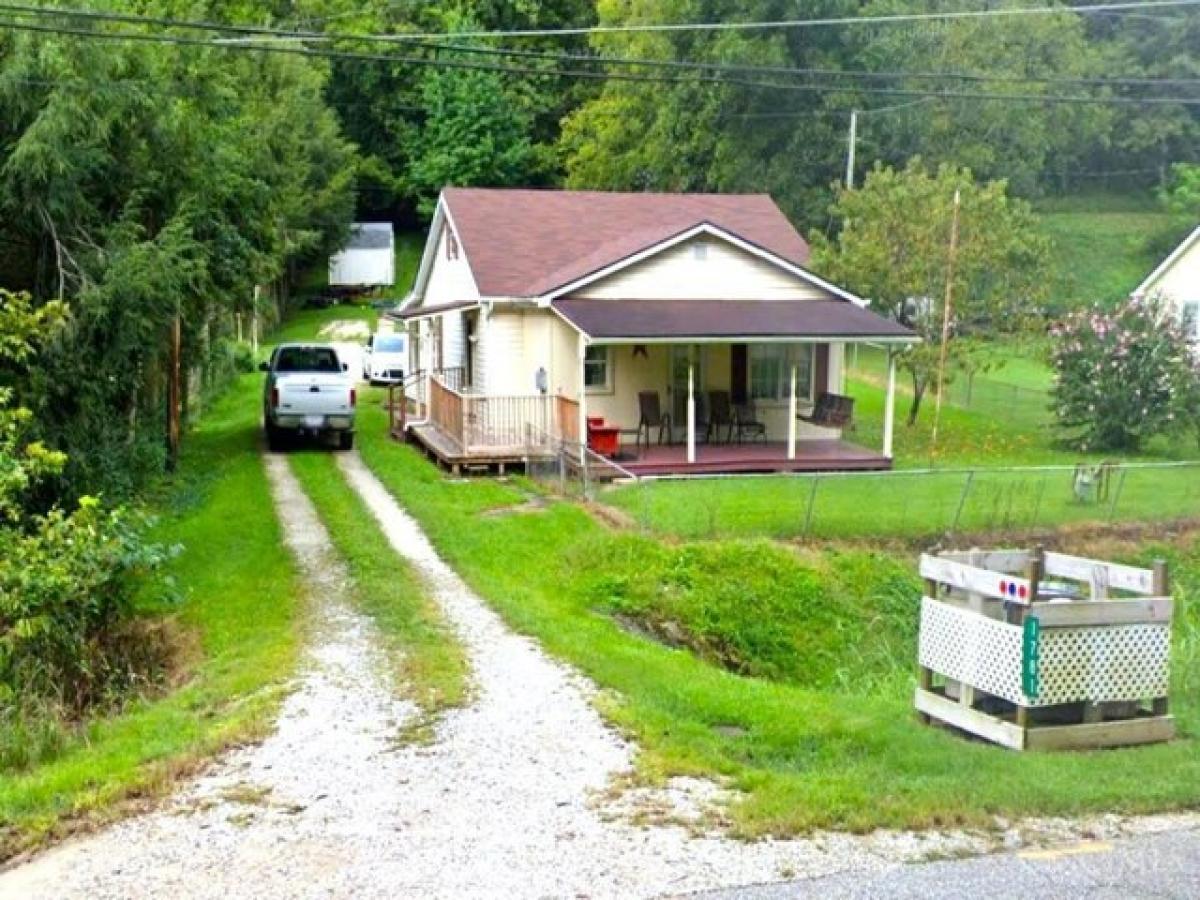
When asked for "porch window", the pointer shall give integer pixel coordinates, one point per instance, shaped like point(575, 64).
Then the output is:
point(597, 369)
point(771, 371)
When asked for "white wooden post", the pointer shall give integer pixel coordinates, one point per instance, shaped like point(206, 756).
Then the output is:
point(791, 452)
point(889, 407)
point(426, 327)
point(582, 398)
point(691, 409)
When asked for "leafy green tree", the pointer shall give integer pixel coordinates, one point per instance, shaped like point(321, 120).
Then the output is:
point(1182, 194)
point(893, 249)
point(473, 134)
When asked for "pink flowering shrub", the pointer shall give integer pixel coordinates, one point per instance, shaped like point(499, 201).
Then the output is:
point(1122, 375)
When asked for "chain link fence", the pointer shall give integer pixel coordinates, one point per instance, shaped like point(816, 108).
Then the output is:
point(916, 503)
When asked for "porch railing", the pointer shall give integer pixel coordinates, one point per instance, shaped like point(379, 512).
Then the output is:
point(446, 409)
point(567, 411)
point(504, 421)
point(481, 423)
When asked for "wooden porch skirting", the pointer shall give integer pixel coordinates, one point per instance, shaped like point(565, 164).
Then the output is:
point(811, 456)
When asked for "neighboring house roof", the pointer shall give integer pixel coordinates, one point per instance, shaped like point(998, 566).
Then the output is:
point(609, 319)
point(370, 236)
point(526, 243)
point(1167, 263)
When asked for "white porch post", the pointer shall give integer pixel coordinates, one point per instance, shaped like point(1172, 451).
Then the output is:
point(426, 349)
point(889, 407)
point(791, 453)
point(582, 397)
point(691, 408)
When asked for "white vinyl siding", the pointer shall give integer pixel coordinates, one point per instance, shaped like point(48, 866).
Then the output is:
point(502, 353)
point(720, 271)
point(450, 280)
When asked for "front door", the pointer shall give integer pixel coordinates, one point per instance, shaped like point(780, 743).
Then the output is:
point(678, 386)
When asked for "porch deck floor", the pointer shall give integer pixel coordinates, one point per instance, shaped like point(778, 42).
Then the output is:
point(771, 456)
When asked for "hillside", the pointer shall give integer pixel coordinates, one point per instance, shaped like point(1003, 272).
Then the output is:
point(1105, 244)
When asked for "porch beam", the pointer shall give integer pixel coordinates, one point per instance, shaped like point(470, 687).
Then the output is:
point(889, 407)
point(791, 448)
point(691, 408)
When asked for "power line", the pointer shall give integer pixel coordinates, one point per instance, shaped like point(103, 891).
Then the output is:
point(563, 58)
point(809, 23)
point(713, 79)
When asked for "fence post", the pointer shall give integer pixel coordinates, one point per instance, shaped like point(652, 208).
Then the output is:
point(812, 497)
point(962, 500)
point(1112, 507)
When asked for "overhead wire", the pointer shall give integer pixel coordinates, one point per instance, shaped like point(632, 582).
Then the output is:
point(252, 31)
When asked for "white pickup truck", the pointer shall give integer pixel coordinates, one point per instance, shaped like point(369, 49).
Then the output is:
point(308, 392)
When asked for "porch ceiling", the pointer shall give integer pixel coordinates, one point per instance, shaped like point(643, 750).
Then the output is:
point(616, 321)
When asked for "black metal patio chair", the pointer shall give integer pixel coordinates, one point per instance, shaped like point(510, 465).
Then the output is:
point(651, 416)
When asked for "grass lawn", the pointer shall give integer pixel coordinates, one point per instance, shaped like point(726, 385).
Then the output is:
point(428, 663)
point(1105, 245)
point(831, 751)
point(242, 604)
point(969, 494)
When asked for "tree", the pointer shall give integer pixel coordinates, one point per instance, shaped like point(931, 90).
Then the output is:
point(1182, 193)
point(1121, 375)
point(893, 250)
point(474, 133)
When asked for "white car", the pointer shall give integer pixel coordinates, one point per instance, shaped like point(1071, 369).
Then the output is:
point(385, 358)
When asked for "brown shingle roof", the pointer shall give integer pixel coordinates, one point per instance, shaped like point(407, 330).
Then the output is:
point(608, 319)
point(525, 243)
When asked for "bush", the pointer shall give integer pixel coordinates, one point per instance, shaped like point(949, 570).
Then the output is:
point(1121, 375)
point(67, 588)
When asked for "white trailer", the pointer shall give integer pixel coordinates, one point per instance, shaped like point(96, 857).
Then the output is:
point(367, 260)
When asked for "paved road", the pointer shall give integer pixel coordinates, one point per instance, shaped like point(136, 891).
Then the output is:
point(1162, 866)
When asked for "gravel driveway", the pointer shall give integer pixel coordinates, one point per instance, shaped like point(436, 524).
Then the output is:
point(510, 799)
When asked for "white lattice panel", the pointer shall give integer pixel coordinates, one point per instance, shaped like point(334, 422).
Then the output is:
point(1114, 662)
point(1096, 663)
point(971, 648)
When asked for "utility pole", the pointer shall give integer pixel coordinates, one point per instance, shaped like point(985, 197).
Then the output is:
point(853, 142)
point(941, 373)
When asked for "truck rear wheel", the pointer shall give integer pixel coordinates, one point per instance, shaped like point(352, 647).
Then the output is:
point(346, 440)
point(275, 439)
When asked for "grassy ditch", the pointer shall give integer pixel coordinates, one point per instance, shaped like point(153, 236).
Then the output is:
point(825, 735)
point(241, 610)
point(428, 663)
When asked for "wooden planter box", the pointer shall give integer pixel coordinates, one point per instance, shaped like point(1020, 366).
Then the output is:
point(1043, 651)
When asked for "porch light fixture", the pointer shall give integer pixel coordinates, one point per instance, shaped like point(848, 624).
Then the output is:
point(640, 350)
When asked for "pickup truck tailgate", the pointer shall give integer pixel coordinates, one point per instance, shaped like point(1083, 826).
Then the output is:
point(314, 393)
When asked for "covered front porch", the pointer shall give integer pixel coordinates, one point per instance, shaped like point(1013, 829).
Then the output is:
point(708, 387)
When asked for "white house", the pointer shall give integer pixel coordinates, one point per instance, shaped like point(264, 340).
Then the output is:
point(674, 318)
point(368, 259)
point(1177, 279)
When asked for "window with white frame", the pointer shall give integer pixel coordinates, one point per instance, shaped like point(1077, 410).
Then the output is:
point(1189, 316)
point(771, 371)
point(597, 369)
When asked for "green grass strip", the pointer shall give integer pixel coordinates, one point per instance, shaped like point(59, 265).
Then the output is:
point(428, 663)
point(242, 605)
